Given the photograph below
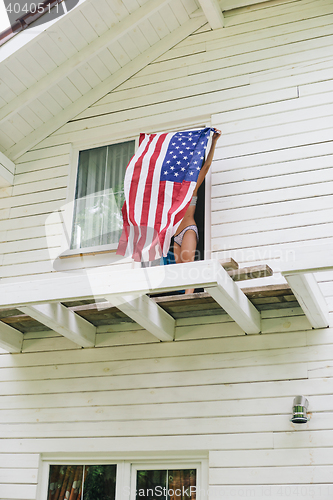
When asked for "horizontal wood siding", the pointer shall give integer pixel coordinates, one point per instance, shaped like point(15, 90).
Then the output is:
point(228, 393)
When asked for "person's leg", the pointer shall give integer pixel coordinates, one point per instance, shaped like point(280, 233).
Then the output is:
point(187, 250)
point(177, 252)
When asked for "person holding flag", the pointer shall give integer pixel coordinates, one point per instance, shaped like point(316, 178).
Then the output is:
point(186, 239)
point(159, 183)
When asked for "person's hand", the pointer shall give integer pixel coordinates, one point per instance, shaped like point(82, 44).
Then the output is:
point(217, 134)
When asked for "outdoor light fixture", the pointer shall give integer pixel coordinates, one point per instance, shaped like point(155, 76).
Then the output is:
point(300, 407)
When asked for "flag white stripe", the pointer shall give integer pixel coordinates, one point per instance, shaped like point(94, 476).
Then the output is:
point(130, 171)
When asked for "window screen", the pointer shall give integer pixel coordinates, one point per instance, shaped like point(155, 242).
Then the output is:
point(99, 195)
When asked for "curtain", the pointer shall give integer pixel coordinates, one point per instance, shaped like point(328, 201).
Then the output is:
point(100, 195)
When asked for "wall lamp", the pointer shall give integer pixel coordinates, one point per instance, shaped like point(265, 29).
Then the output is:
point(300, 407)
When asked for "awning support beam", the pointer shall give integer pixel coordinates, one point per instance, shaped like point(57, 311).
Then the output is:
point(63, 321)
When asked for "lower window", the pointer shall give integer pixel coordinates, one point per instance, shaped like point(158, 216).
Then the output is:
point(123, 480)
point(88, 482)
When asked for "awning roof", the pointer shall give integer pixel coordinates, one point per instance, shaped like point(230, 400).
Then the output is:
point(51, 301)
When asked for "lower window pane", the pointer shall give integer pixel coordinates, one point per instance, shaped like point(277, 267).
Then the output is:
point(82, 482)
point(179, 484)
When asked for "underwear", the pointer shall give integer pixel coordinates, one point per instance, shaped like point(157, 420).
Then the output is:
point(178, 238)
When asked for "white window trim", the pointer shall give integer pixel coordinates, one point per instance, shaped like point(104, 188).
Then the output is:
point(126, 470)
point(68, 214)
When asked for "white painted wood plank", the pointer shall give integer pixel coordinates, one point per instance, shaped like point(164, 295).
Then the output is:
point(79, 58)
point(14, 476)
point(192, 378)
point(31, 243)
point(310, 297)
point(271, 223)
point(148, 314)
point(10, 338)
point(66, 322)
point(159, 350)
point(273, 458)
point(19, 460)
point(271, 475)
point(7, 169)
point(158, 428)
point(235, 303)
point(133, 444)
point(160, 119)
point(213, 13)
point(19, 491)
point(279, 182)
point(316, 358)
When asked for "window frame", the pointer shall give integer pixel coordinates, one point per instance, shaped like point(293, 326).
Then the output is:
point(126, 470)
point(68, 215)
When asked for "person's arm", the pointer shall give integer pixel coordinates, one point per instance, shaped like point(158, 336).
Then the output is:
point(208, 162)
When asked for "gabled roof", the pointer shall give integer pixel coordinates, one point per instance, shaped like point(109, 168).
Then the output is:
point(50, 75)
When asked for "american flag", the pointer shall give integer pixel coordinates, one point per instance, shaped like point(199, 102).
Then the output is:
point(159, 183)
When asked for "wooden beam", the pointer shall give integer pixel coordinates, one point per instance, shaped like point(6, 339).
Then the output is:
point(213, 13)
point(7, 171)
point(80, 58)
point(101, 282)
point(64, 321)
point(228, 264)
point(236, 4)
point(10, 339)
point(146, 313)
point(249, 273)
point(235, 303)
point(310, 298)
point(105, 87)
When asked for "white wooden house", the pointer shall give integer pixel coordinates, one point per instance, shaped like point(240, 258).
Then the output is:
point(96, 366)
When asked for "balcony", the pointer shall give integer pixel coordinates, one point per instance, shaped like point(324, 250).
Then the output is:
point(77, 304)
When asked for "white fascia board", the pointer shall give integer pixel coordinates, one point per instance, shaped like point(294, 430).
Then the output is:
point(29, 35)
point(63, 321)
point(80, 58)
point(313, 303)
point(146, 313)
point(318, 260)
point(213, 13)
point(10, 339)
point(235, 303)
point(236, 4)
point(7, 171)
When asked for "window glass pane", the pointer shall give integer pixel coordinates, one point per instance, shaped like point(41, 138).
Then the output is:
point(166, 484)
point(82, 482)
point(100, 195)
point(100, 482)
